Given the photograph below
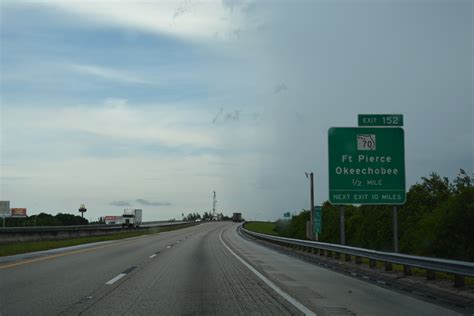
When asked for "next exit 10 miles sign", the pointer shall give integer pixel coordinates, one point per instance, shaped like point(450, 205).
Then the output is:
point(366, 165)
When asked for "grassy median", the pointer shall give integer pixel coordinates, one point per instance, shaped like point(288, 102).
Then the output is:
point(30, 246)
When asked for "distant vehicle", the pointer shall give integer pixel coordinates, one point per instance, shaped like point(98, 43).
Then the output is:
point(197, 220)
point(237, 217)
point(132, 218)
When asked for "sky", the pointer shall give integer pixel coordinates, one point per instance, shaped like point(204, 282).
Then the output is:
point(156, 104)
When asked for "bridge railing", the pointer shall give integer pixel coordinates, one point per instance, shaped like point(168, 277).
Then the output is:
point(459, 269)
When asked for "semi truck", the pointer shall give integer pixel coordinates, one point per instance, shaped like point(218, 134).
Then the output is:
point(237, 217)
point(132, 217)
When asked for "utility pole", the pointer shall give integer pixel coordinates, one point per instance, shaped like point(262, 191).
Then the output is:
point(214, 203)
point(311, 207)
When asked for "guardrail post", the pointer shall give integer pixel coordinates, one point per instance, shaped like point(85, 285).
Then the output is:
point(407, 270)
point(430, 275)
point(459, 280)
point(337, 255)
point(321, 252)
point(372, 263)
point(388, 266)
point(329, 253)
point(358, 260)
point(347, 257)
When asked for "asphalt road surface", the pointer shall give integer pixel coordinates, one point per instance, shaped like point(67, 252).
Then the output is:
point(207, 269)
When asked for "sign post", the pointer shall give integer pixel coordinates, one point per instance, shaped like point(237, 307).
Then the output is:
point(342, 229)
point(395, 228)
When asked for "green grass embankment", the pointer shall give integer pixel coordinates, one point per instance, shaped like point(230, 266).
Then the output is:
point(30, 246)
point(262, 227)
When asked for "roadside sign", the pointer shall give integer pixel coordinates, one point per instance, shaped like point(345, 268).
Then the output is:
point(380, 120)
point(318, 214)
point(5, 209)
point(366, 165)
point(18, 212)
point(287, 214)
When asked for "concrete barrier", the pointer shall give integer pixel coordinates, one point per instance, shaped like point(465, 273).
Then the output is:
point(23, 234)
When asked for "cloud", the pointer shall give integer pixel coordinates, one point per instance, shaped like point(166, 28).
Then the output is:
point(225, 117)
point(183, 8)
point(107, 73)
point(139, 201)
point(214, 120)
point(149, 203)
point(115, 119)
point(279, 88)
point(197, 20)
point(120, 203)
point(14, 178)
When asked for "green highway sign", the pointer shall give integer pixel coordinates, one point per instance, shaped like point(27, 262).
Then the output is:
point(318, 214)
point(287, 214)
point(366, 165)
point(380, 119)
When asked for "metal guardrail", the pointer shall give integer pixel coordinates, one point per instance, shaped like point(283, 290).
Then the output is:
point(458, 268)
point(85, 227)
point(26, 234)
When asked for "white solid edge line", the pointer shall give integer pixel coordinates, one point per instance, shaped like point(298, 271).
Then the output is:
point(118, 277)
point(272, 285)
point(152, 256)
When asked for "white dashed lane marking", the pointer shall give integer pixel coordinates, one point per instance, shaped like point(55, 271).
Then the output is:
point(118, 277)
point(121, 275)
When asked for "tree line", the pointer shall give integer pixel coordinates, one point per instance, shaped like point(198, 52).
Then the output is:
point(437, 220)
point(62, 219)
point(207, 216)
point(44, 219)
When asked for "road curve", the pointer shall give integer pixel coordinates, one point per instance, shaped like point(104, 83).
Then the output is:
point(203, 270)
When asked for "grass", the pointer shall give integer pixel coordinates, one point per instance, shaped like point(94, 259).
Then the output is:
point(30, 246)
point(262, 227)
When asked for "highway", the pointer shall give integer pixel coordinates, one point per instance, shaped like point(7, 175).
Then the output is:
point(208, 269)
